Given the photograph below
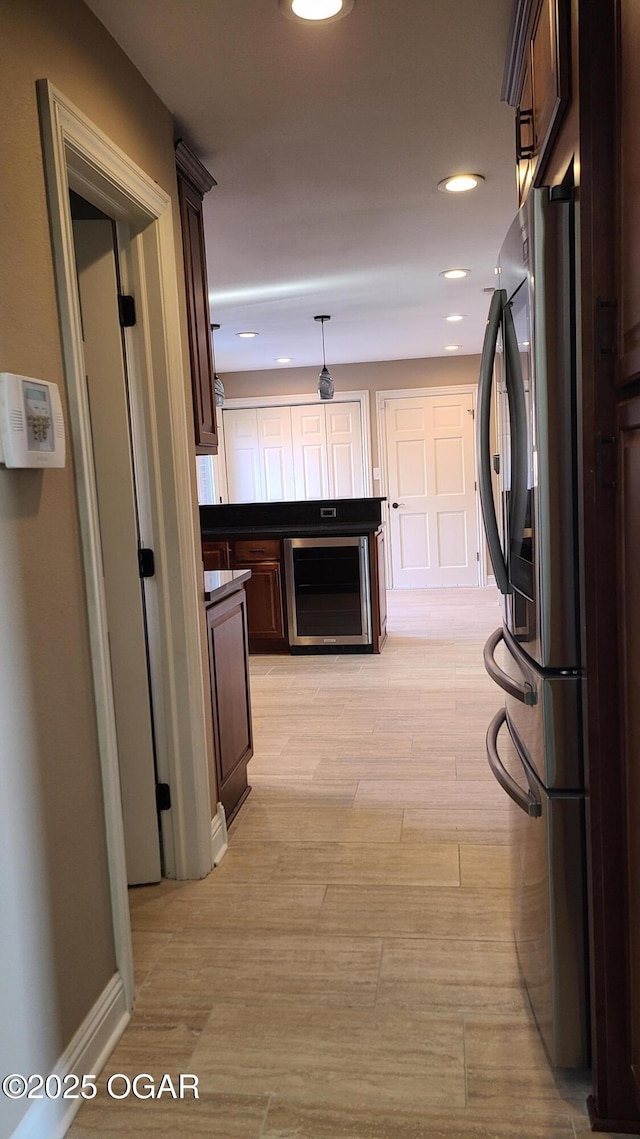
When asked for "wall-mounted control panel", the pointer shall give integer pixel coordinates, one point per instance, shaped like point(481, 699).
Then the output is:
point(31, 423)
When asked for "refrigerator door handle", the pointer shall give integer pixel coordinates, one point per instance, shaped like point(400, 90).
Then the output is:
point(524, 692)
point(518, 416)
point(526, 800)
point(485, 385)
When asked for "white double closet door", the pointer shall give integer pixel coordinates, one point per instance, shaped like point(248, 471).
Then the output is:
point(303, 451)
point(433, 519)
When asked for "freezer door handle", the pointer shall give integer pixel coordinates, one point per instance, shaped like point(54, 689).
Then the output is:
point(524, 692)
point(485, 385)
point(526, 800)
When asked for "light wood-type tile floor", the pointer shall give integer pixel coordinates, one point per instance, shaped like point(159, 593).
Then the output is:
point(349, 971)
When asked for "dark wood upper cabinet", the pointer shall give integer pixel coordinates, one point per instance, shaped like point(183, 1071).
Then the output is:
point(537, 83)
point(628, 135)
point(194, 181)
point(629, 628)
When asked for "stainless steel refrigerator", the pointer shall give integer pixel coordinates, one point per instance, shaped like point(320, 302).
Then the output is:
point(527, 458)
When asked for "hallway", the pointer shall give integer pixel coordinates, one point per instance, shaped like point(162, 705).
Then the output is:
point(348, 971)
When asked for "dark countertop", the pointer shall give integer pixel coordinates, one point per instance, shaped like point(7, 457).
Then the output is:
point(291, 531)
point(220, 583)
point(282, 519)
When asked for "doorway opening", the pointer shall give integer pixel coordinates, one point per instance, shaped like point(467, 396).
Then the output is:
point(117, 438)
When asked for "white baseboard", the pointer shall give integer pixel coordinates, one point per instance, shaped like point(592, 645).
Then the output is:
point(219, 841)
point(87, 1053)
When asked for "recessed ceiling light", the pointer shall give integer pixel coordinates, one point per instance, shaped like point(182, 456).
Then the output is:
point(455, 316)
point(247, 335)
point(454, 274)
point(452, 347)
point(316, 9)
point(283, 359)
point(460, 183)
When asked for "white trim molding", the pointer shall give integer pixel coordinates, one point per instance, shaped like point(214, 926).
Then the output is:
point(87, 1054)
point(78, 155)
point(219, 837)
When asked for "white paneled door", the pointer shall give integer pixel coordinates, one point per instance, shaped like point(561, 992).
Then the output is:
point(344, 450)
point(431, 490)
point(310, 451)
point(300, 451)
point(259, 454)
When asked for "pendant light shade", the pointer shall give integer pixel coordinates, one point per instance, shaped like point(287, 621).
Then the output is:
point(325, 381)
point(218, 386)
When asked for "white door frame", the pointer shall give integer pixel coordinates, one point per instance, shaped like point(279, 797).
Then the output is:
point(361, 397)
point(78, 155)
point(383, 458)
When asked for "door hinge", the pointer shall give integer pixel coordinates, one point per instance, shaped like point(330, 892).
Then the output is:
point(606, 327)
point(126, 310)
point(478, 557)
point(163, 796)
point(146, 563)
point(472, 412)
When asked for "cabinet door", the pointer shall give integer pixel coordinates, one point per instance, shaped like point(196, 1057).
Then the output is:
point(545, 93)
point(344, 450)
point(216, 555)
point(310, 452)
point(629, 189)
point(231, 706)
point(525, 145)
point(265, 609)
point(198, 318)
point(545, 72)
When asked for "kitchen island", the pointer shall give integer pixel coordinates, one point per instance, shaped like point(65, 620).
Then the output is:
point(260, 536)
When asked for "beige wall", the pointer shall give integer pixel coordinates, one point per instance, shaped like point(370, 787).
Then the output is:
point(57, 950)
point(382, 375)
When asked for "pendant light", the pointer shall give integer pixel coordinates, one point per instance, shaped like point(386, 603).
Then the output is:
point(218, 386)
point(325, 382)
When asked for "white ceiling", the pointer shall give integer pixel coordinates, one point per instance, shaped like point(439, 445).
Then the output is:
point(327, 142)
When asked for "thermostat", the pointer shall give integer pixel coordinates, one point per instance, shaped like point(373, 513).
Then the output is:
point(31, 423)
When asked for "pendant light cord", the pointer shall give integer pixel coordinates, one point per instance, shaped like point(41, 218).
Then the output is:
point(324, 359)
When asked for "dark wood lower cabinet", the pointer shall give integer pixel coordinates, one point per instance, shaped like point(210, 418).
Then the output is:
point(216, 555)
point(265, 589)
point(267, 633)
point(227, 634)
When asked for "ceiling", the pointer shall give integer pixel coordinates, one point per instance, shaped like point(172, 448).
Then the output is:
point(328, 142)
